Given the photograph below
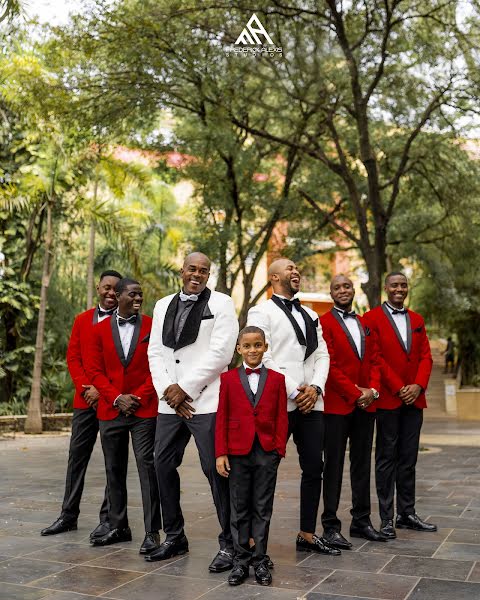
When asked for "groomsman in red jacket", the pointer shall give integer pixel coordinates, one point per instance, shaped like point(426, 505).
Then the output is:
point(351, 392)
point(118, 367)
point(406, 368)
point(84, 422)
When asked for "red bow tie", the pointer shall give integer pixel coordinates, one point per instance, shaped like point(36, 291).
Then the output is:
point(250, 371)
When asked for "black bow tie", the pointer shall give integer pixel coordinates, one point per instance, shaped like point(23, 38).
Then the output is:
point(289, 303)
point(121, 321)
point(347, 314)
point(402, 311)
point(104, 313)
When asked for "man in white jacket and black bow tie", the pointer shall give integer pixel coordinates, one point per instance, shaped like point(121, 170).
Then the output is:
point(191, 343)
point(297, 349)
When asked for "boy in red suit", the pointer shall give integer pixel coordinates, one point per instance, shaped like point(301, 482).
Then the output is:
point(406, 368)
point(250, 439)
point(84, 422)
point(118, 368)
point(350, 394)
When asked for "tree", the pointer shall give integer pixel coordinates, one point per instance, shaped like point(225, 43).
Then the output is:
point(334, 97)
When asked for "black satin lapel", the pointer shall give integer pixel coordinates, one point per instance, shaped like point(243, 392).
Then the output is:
point(95, 316)
point(299, 333)
point(192, 324)
point(134, 342)
point(246, 387)
point(168, 333)
point(395, 328)
point(362, 339)
point(261, 385)
point(311, 331)
point(116, 341)
point(341, 322)
point(409, 332)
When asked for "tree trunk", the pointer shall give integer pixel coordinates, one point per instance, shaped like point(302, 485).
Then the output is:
point(33, 423)
point(375, 262)
point(91, 262)
point(91, 249)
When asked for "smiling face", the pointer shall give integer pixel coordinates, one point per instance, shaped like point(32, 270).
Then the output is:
point(252, 347)
point(130, 300)
point(285, 277)
point(396, 287)
point(195, 273)
point(106, 292)
point(342, 292)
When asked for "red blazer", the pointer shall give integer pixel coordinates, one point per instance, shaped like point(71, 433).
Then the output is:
point(77, 351)
point(401, 366)
point(347, 368)
point(239, 419)
point(113, 375)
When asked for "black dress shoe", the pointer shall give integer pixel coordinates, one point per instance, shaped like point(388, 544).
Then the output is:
point(334, 539)
point(60, 526)
point(100, 530)
point(168, 549)
point(238, 575)
point(367, 532)
point(262, 574)
point(317, 546)
point(151, 542)
point(268, 561)
point(387, 529)
point(414, 522)
point(114, 536)
point(223, 561)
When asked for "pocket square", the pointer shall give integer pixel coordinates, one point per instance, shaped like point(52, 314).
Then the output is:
point(418, 329)
point(367, 330)
point(207, 317)
point(145, 339)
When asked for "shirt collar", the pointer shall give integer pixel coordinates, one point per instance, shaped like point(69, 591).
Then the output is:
point(245, 366)
point(392, 308)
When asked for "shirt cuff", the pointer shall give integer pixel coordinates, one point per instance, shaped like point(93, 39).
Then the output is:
point(293, 395)
point(115, 404)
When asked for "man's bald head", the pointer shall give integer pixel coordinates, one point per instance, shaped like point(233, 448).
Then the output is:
point(342, 291)
point(284, 277)
point(196, 256)
point(195, 273)
point(338, 279)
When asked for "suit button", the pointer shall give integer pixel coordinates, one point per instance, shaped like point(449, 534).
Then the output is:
point(177, 361)
point(255, 413)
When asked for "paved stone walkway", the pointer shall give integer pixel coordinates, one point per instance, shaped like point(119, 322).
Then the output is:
point(439, 566)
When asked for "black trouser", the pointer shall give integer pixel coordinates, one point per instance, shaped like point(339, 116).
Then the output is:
point(252, 487)
point(172, 436)
point(398, 438)
point(84, 436)
point(358, 427)
point(115, 435)
point(308, 434)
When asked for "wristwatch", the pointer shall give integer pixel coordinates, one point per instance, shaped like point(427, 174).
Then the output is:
point(317, 388)
point(376, 395)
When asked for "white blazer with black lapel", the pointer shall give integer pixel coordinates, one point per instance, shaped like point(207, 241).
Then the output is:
point(303, 360)
point(203, 351)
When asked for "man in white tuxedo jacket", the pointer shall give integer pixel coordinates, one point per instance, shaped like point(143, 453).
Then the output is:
point(191, 343)
point(297, 349)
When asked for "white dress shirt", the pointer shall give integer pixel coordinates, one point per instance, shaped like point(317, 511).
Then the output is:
point(354, 329)
point(400, 321)
point(126, 334)
point(297, 315)
point(253, 378)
